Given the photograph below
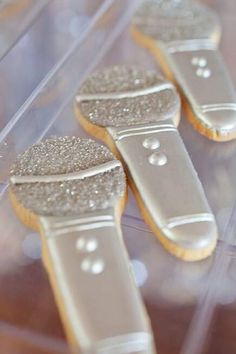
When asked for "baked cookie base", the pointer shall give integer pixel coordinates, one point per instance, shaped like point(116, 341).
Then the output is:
point(182, 253)
point(31, 220)
point(198, 125)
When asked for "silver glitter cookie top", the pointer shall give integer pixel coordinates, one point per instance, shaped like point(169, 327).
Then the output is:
point(145, 108)
point(61, 156)
point(173, 20)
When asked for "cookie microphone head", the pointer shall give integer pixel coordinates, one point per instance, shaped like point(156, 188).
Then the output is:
point(127, 96)
point(73, 191)
point(183, 36)
point(136, 112)
point(66, 176)
point(171, 21)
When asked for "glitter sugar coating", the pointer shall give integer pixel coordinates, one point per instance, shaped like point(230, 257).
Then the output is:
point(173, 20)
point(127, 111)
point(61, 156)
point(120, 78)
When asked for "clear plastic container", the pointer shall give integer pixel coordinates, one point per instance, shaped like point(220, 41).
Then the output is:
point(192, 306)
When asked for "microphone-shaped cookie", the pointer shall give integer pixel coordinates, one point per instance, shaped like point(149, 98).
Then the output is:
point(184, 36)
point(134, 111)
point(73, 191)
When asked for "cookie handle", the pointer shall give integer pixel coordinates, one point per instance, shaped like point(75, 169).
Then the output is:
point(89, 269)
point(167, 188)
point(203, 78)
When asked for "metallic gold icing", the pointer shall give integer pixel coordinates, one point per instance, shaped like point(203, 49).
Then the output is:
point(83, 249)
point(161, 174)
point(184, 37)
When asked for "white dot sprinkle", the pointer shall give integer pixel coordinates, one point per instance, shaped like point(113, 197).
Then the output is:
point(86, 245)
point(93, 266)
point(205, 73)
point(201, 62)
point(157, 159)
point(151, 143)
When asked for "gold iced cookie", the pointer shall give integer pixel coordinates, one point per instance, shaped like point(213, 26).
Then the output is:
point(184, 35)
point(136, 112)
point(73, 191)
